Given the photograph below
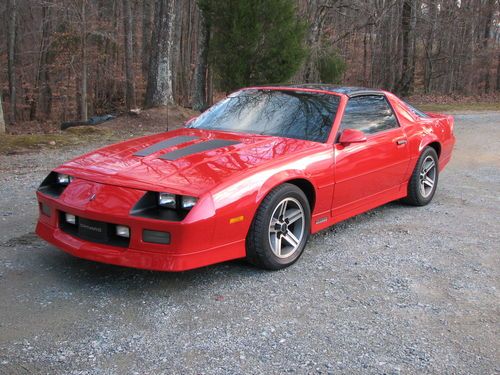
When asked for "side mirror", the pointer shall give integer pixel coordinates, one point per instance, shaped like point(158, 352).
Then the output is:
point(190, 121)
point(352, 136)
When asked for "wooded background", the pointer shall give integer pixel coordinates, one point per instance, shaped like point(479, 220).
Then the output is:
point(68, 59)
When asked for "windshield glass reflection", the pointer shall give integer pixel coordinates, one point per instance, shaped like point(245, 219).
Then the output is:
point(291, 114)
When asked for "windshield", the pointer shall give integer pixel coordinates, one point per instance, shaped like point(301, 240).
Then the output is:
point(291, 114)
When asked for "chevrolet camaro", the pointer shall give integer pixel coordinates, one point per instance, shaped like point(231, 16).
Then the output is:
point(252, 177)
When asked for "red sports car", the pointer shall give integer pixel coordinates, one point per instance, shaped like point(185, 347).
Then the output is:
point(252, 177)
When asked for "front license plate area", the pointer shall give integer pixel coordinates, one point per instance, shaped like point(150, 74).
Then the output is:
point(91, 230)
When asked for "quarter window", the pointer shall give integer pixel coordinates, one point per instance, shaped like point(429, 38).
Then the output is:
point(370, 114)
point(416, 111)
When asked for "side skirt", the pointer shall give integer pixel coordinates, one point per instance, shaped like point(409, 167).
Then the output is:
point(337, 215)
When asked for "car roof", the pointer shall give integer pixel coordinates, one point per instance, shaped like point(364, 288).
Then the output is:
point(346, 90)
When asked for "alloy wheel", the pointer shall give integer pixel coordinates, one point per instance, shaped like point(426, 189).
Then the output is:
point(286, 227)
point(427, 176)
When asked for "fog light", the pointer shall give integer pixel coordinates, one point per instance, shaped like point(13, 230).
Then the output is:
point(70, 219)
point(166, 200)
point(45, 209)
point(123, 231)
point(154, 236)
point(63, 179)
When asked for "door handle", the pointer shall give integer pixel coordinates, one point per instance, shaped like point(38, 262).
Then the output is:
point(401, 142)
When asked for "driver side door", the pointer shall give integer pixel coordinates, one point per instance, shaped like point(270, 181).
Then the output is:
point(369, 173)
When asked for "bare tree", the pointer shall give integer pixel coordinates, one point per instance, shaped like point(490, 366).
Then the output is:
point(83, 87)
point(11, 68)
point(2, 120)
point(129, 56)
point(71, 59)
point(199, 96)
point(147, 16)
point(428, 45)
point(43, 81)
point(159, 89)
point(489, 11)
point(498, 72)
point(405, 82)
point(184, 50)
point(316, 12)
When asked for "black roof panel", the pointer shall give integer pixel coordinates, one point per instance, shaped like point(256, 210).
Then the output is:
point(347, 90)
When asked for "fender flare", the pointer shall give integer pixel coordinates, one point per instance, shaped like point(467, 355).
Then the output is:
point(280, 178)
point(426, 141)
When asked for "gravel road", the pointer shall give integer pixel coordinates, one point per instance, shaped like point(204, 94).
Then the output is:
point(396, 290)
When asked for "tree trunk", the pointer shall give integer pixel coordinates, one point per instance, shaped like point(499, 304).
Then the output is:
point(45, 92)
point(83, 94)
point(159, 87)
point(2, 120)
point(489, 24)
point(429, 48)
point(403, 86)
point(319, 11)
point(210, 87)
point(147, 15)
point(200, 73)
point(498, 72)
point(129, 56)
point(186, 26)
point(11, 69)
point(365, 55)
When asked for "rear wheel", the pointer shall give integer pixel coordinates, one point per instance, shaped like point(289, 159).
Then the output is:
point(423, 182)
point(280, 229)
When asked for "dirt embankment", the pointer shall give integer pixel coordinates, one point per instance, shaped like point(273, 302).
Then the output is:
point(29, 136)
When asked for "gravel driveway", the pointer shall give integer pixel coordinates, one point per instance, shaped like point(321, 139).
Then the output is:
point(396, 290)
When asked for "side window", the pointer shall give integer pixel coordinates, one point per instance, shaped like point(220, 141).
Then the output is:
point(370, 114)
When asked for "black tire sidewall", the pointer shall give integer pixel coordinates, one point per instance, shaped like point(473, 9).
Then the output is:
point(415, 181)
point(261, 231)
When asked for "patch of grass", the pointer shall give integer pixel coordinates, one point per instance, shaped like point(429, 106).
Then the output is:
point(89, 130)
point(456, 107)
point(10, 143)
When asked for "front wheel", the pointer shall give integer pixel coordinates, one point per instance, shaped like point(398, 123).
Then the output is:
point(280, 229)
point(423, 181)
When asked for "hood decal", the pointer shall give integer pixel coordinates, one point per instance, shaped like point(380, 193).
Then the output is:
point(171, 142)
point(197, 148)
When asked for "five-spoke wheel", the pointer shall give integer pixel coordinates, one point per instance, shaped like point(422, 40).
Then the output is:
point(286, 227)
point(427, 176)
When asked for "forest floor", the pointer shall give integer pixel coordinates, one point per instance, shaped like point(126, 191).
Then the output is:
point(29, 136)
point(397, 290)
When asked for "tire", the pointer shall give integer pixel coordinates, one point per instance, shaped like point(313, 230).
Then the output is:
point(420, 193)
point(282, 244)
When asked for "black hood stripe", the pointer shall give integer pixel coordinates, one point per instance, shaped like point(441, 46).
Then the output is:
point(197, 148)
point(165, 144)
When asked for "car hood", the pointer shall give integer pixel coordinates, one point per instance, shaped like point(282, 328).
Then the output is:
point(183, 161)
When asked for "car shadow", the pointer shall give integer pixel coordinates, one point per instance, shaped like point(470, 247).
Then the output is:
point(76, 272)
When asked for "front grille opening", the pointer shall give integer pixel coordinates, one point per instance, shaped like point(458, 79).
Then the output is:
point(92, 231)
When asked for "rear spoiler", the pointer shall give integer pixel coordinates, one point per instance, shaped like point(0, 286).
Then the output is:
point(448, 119)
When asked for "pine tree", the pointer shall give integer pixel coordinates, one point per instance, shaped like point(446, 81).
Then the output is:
point(253, 42)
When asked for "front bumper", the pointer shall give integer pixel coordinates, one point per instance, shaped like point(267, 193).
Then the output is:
point(136, 258)
point(192, 243)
